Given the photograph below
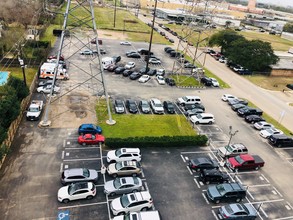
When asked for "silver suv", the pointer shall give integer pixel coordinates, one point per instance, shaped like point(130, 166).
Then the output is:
point(232, 150)
point(78, 175)
point(157, 106)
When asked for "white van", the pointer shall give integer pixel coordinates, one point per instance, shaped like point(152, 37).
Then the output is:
point(189, 100)
point(47, 71)
point(147, 215)
point(107, 61)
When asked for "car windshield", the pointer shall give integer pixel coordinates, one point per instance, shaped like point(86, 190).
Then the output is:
point(158, 105)
point(118, 166)
point(86, 172)
point(124, 201)
point(229, 209)
point(199, 116)
point(239, 159)
point(221, 189)
point(184, 98)
point(71, 189)
point(34, 109)
point(145, 104)
point(117, 183)
point(229, 148)
point(119, 151)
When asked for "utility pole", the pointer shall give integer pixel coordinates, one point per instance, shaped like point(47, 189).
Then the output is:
point(115, 7)
point(21, 62)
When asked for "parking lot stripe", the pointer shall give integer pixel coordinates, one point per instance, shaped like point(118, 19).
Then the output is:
point(267, 201)
point(196, 152)
point(83, 205)
point(62, 157)
point(99, 185)
point(196, 183)
point(183, 158)
point(189, 170)
point(80, 148)
point(63, 143)
point(265, 178)
point(87, 159)
point(260, 185)
point(142, 174)
point(289, 205)
point(238, 179)
point(205, 198)
point(215, 215)
point(61, 167)
point(278, 191)
point(289, 217)
point(250, 194)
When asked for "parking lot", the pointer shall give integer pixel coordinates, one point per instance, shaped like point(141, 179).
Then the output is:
point(176, 190)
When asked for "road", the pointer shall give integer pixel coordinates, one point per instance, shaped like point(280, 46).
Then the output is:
point(273, 103)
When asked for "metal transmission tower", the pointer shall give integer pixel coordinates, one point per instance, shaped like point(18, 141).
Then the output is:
point(86, 85)
point(198, 19)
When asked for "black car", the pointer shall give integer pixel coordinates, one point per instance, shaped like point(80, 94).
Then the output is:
point(127, 73)
point(206, 81)
point(150, 56)
point(213, 176)
point(134, 55)
point(171, 40)
point(134, 75)
point(170, 81)
point(112, 68)
point(289, 86)
point(237, 106)
point(244, 72)
point(169, 107)
point(199, 164)
point(144, 52)
point(189, 65)
point(253, 118)
point(119, 70)
point(144, 70)
point(193, 106)
point(194, 111)
point(237, 101)
point(116, 58)
point(176, 54)
point(152, 72)
point(167, 48)
point(242, 112)
point(131, 106)
point(280, 140)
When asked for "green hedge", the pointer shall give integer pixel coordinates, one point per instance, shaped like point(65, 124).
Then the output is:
point(163, 141)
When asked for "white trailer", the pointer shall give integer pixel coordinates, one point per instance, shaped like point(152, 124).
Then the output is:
point(47, 71)
point(34, 110)
point(107, 61)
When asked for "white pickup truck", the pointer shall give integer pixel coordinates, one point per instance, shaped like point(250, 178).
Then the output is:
point(34, 110)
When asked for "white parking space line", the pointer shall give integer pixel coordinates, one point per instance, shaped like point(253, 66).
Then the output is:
point(238, 179)
point(267, 201)
point(263, 212)
point(62, 157)
point(146, 186)
point(196, 183)
point(183, 158)
point(250, 194)
point(289, 206)
point(186, 158)
point(196, 152)
point(81, 148)
point(205, 198)
point(142, 174)
point(189, 170)
point(87, 159)
point(61, 167)
point(63, 143)
point(260, 185)
point(290, 217)
point(68, 142)
point(99, 185)
point(265, 178)
point(215, 215)
point(278, 191)
point(83, 205)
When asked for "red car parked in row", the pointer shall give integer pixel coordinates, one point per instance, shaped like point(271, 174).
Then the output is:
point(89, 139)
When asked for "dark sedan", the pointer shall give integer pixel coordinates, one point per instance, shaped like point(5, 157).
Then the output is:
point(169, 107)
point(134, 55)
point(237, 101)
point(237, 106)
point(131, 106)
point(134, 75)
point(202, 163)
point(253, 118)
point(170, 81)
point(119, 70)
point(127, 73)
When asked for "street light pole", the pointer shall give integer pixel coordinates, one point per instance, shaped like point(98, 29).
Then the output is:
point(22, 65)
point(115, 12)
point(231, 133)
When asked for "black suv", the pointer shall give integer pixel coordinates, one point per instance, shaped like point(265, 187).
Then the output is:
point(169, 107)
point(281, 140)
point(170, 81)
point(206, 81)
point(226, 192)
point(213, 176)
point(242, 112)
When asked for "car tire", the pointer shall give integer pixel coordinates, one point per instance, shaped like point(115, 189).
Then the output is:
point(121, 213)
point(210, 122)
point(196, 122)
point(83, 144)
point(257, 168)
point(65, 201)
point(134, 174)
point(217, 201)
point(112, 194)
point(115, 175)
point(238, 200)
point(89, 197)
point(144, 209)
point(207, 182)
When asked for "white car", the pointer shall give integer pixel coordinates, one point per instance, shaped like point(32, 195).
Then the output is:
point(262, 125)
point(203, 118)
point(123, 154)
point(144, 78)
point(154, 61)
point(75, 191)
point(153, 215)
point(127, 43)
point(226, 97)
point(215, 82)
point(130, 65)
point(157, 106)
point(132, 202)
point(222, 60)
point(161, 80)
point(86, 52)
point(265, 133)
point(47, 89)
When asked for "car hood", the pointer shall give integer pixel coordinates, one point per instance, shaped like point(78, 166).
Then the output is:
point(111, 154)
point(116, 204)
point(223, 151)
point(119, 108)
point(145, 109)
point(233, 162)
point(213, 191)
point(93, 174)
point(111, 168)
point(109, 186)
point(63, 192)
point(34, 114)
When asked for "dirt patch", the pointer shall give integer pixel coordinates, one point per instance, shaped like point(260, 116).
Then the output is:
point(112, 34)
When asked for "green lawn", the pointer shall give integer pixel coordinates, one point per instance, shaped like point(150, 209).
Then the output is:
point(129, 125)
point(182, 80)
point(17, 72)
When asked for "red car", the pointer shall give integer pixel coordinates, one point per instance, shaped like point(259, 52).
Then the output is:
point(91, 139)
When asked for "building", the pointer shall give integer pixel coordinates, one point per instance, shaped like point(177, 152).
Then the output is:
point(285, 65)
point(250, 8)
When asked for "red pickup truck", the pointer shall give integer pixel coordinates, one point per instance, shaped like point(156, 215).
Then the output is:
point(245, 162)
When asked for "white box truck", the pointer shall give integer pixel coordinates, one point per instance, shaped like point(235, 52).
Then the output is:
point(107, 61)
point(34, 110)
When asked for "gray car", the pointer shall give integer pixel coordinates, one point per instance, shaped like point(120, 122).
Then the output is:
point(123, 185)
point(78, 175)
point(238, 211)
point(119, 106)
point(144, 107)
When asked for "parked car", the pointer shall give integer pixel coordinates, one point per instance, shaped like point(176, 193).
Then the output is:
point(127, 43)
point(131, 106)
point(226, 97)
point(245, 162)
point(134, 76)
point(238, 211)
point(232, 150)
point(86, 52)
point(188, 107)
point(203, 118)
point(171, 40)
point(76, 191)
point(281, 140)
point(144, 215)
point(144, 107)
point(127, 72)
point(47, 89)
point(160, 72)
point(116, 58)
point(74, 175)
point(157, 106)
point(89, 139)
point(119, 70)
point(89, 129)
point(170, 81)
point(253, 118)
point(188, 100)
point(144, 78)
point(194, 111)
point(119, 106)
point(130, 52)
point(237, 101)
point(169, 106)
point(143, 51)
point(244, 72)
point(242, 112)
point(45, 82)
point(203, 163)
point(289, 86)
point(134, 55)
point(161, 80)
point(139, 201)
point(123, 154)
point(189, 65)
point(168, 48)
point(112, 68)
point(206, 81)
point(262, 125)
point(226, 192)
point(213, 176)
point(123, 185)
point(124, 168)
point(237, 106)
point(144, 70)
point(129, 65)
point(265, 133)
point(215, 82)
point(154, 61)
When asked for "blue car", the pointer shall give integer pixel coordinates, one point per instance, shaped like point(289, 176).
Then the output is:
point(89, 129)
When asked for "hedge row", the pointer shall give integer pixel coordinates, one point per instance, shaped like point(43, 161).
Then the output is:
point(164, 141)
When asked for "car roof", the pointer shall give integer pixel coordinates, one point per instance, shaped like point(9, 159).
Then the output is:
point(201, 160)
point(238, 146)
point(206, 114)
point(130, 150)
point(139, 196)
point(156, 100)
point(74, 171)
point(129, 163)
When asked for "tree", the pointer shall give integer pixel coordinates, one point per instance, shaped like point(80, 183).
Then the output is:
point(288, 27)
point(22, 91)
point(224, 39)
point(254, 55)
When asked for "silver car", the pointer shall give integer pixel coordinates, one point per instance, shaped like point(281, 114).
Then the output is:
point(238, 211)
point(123, 185)
point(144, 107)
point(79, 175)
